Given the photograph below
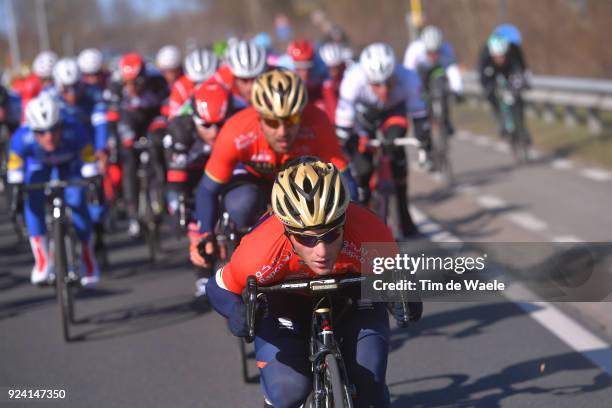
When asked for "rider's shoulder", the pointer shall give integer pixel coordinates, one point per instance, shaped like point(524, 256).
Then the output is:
point(22, 137)
point(362, 223)
point(243, 120)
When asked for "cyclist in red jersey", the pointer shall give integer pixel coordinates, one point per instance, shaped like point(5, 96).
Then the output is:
point(253, 145)
point(312, 231)
point(200, 65)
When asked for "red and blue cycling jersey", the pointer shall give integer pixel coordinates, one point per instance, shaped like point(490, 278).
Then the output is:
point(267, 253)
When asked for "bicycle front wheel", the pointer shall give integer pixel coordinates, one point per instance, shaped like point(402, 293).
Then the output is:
point(336, 392)
point(64, 295)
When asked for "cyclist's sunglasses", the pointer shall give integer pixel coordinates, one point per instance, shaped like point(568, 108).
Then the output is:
point(288, 122)
point(311, 241)
point(389, 82)
point(42, 132)
point(201, 122)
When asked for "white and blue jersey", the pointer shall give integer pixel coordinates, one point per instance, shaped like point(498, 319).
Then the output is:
point(355, 90)
point(416, 59)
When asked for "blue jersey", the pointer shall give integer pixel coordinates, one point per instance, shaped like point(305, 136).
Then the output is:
point(27, 156)
point(90, 111)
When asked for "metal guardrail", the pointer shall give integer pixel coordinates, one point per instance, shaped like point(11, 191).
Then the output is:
point(573, 100)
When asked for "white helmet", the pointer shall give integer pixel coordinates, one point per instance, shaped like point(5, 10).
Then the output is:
point(332, 54)
point(432, 38)
point(90, 61)
point(168, 57)
point(66, 72)
point(246, 59)
point(497, 45)
point(42, 113)
point(200, 65)
point(43, 64)
point(378, 62)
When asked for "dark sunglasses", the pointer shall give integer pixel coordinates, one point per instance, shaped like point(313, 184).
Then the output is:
point(42, 132)
point(200, 122)
point(290, 121)
point(311, 241)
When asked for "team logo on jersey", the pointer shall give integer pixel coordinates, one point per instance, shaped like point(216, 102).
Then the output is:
point(268, 272)
point(244, 140)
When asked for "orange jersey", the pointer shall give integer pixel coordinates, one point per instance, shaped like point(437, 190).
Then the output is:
point(241, 140)
point(181, 91)
point(27, 88)
point(267, 253)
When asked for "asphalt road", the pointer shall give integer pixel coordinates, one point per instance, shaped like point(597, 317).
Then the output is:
point(140, 342)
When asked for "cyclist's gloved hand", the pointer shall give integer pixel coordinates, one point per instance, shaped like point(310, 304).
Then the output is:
point(237, 320)
point(422, 131)
point(202, 248)
point(405, 312)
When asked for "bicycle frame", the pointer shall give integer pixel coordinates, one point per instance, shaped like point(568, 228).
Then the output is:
point(322, 338)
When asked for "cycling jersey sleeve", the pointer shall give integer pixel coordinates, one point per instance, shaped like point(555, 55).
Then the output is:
point(224, 156)
point(222, 300)
point(454, 78)
point(349, 89)
point(413, 88)
point(328, 147)
point(411, 57)
point(100, 124)
point(17, 152)
point(178, 96)
point(207, 203)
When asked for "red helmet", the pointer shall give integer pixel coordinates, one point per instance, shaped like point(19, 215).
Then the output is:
point(301, 53)
point(210, 104)
point(130, 66)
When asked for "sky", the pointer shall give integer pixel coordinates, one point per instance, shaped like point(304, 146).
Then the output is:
point(150, 8)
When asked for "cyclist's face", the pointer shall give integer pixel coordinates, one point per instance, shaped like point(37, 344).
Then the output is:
point(92, 78)
point(499, 60)
point(244, 87)
point(382, 89)
point(335, 72)
point(281, 134)
point(303, 73)
point(322, 257)
point(70, 95)
point(171, 75)
point(208, 134)
point(49, 140)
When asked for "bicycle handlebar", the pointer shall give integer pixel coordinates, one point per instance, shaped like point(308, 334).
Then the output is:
point(55, 184)
point(403, 141)
point(313, 286)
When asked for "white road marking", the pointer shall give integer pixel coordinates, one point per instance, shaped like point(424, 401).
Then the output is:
point(482, 140)
point(567, 238)
point(527, 221)
point(501, 147)
point(466, 188)
point(490, 202)
point(571, 333)
point(555, 321)
point(597, 174)
point(562, 164)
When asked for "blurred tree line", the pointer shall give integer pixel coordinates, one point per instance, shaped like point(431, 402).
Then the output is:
point(561, 37)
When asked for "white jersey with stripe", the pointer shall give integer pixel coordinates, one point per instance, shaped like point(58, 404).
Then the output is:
point(355, 89)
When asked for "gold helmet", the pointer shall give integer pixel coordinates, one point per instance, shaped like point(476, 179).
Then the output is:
point(309, 194)
point(279, 94)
